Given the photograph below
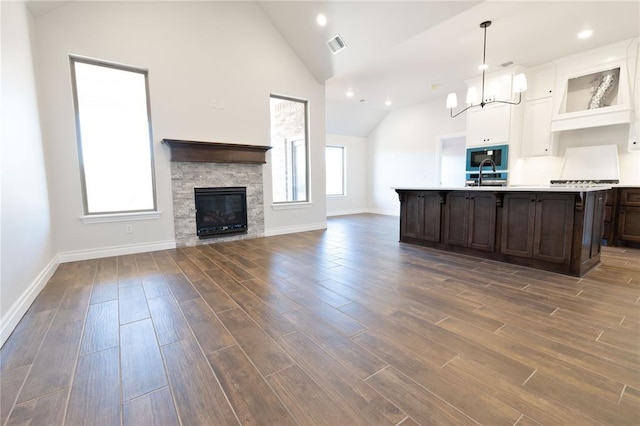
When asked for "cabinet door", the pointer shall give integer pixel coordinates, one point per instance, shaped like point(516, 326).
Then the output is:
point(629, 224)
point(482, 221)
point(431, 217)
point(457, 220)
point(630, 197)
point(554, 227)
point(489, 125)
point(412, 214)
point(541, 82)
point(536, 127)
point(634, 136)
point(518, 217)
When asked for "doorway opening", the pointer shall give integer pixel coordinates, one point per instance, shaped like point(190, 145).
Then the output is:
point(452, 160)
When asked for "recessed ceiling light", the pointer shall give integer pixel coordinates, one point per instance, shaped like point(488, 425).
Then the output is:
point(483, 67)
point(321, 20)
point(585, 34)
point(388, 102)
point(349, 94)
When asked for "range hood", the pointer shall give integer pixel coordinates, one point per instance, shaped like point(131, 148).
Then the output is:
point(590, 163)
point(594, 92)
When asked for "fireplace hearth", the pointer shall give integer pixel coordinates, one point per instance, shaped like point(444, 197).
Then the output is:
point(220, 211)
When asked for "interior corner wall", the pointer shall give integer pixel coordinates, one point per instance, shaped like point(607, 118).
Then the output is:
point(355, 199)
point(403, 151)
point(27, 257)
point(212, 67)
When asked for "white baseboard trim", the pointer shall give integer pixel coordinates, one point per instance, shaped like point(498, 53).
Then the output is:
point(385, 212)
point(11, 319)
point(73, 256)
point(295, 228)
point(346, 212)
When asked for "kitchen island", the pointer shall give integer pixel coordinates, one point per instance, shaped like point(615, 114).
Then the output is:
point(552, 228)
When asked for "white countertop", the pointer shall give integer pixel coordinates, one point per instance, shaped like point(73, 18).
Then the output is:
point(513, 188)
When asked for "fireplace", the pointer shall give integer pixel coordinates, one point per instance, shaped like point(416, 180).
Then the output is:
point(221, 211)
point(202, 165)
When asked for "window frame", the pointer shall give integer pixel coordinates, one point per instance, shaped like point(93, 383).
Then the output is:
point(307, 145)
point(117, 215)
point(344, 170)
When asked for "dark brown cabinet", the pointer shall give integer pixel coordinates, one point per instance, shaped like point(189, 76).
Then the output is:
point(518, 216)
point(421, 215)
point(608, 229)
point(629, 215)
point(538, 226)
point(471, 220)
point(559, 231)
point(629, 224)
point(622, 217)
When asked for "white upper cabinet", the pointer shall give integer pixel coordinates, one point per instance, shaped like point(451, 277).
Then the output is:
point(537, 138)
point(536, 128)
point(634, 133)
point(541, 82)
point(495, 123)
point(634, 127)
point(489, 125)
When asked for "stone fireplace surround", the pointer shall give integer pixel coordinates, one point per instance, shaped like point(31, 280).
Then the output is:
point(208, 164)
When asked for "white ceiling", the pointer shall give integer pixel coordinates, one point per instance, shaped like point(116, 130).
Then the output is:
point(413, 51)
point(409, 52)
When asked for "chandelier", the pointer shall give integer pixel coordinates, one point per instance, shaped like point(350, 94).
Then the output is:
point(519, 86)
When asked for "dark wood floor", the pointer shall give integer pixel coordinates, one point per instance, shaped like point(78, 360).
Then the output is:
point(344, 326)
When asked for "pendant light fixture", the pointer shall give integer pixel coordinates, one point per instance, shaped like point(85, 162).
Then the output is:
point(519, 86)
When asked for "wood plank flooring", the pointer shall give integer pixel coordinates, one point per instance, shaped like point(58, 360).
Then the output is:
point(343, 326)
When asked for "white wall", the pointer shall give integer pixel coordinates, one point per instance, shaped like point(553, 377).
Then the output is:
point(26, 246)
point(403, 151)
point(196, 52)
point(355, 199)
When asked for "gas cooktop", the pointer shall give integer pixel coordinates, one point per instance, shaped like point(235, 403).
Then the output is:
point(584, 183)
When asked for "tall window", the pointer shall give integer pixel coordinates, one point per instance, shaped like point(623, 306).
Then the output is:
point(289, 157)
point(334, 159)
point(113, 125)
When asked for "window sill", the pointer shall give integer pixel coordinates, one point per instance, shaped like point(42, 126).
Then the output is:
point(289, 206)
point(119, 217)
point(337, 196)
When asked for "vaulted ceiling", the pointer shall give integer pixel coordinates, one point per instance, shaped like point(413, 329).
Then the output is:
point(409, 52)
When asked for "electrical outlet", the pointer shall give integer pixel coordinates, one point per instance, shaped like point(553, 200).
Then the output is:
point(214, 104)
point(128, 229)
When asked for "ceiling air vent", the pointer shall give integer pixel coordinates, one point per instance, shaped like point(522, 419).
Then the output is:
point(336, 44)
point(506, 64)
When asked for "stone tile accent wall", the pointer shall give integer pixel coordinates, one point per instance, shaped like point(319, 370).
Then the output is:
point(185, 176)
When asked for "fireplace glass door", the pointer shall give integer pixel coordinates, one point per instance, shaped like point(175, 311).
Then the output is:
point(220, 211)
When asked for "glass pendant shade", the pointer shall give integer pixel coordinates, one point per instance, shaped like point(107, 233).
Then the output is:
point(494, 90)
point(472, 96)
point(452, 100)
point(519, 83)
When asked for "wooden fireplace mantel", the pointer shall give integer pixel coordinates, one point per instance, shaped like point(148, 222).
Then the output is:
point(215, 152)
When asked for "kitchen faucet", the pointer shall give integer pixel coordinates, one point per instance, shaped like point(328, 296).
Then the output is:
point(482, 163)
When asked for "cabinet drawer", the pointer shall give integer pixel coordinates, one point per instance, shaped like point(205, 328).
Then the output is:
point(630, 197)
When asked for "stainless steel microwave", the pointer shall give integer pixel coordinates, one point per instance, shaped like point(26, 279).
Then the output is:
point(498, 153)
